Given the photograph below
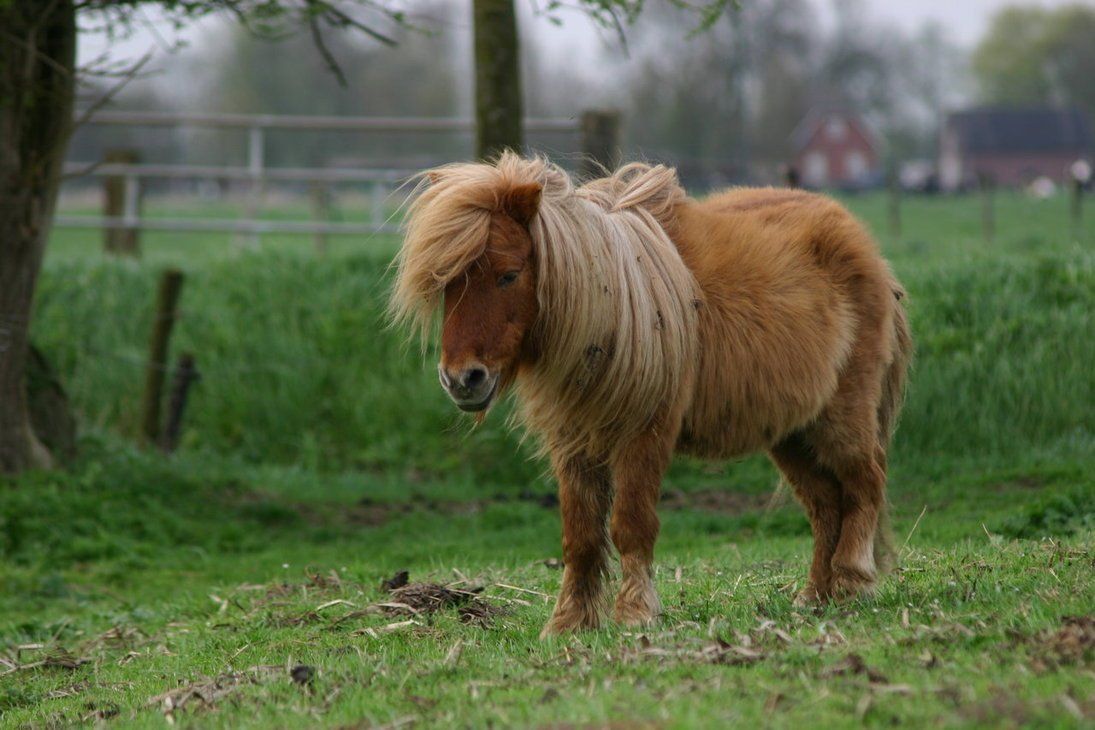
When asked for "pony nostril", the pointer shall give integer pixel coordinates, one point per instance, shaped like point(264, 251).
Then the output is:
point(446, 379)
point(474, 377)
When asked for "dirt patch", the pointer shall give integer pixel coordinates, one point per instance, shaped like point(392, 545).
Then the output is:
point(1073, 643)
point(369, 512)
point(425, 599)
point(853, 665)
point(1024, 483)
point(1004, 708)
point(722, 501)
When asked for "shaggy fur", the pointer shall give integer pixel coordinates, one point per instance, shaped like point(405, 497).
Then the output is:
point(643, 322)
point(617, 305)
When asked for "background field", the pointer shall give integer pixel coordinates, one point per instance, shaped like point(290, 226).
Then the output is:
point(318, 444)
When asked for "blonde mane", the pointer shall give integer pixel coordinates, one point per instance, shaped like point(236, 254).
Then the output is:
point(617, 325)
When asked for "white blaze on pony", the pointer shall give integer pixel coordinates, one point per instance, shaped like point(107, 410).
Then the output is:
point(633, 321)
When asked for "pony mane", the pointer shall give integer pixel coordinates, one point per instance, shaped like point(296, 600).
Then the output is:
point(617, 324)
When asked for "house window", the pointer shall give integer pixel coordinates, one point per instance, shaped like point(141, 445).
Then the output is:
point(855, 165)
point(836, 129)
point(817, 169)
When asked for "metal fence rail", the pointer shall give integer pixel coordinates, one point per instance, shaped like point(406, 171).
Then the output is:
point(257, 174)
point(294, 121)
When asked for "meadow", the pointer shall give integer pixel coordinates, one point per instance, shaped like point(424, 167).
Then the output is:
point(238, 582)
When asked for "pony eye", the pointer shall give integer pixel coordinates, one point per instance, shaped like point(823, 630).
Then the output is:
point(508, 278)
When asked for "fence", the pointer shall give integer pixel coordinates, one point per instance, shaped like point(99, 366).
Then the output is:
point(122, 218)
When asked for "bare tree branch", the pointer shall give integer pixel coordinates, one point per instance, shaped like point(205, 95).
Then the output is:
point(324, 51)
point(113, 91)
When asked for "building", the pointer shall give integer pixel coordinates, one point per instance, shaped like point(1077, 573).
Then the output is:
point(835, 148)
point(1011, 146)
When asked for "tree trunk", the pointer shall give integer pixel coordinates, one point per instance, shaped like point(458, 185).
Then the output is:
point(37, 69)
point(498, 114)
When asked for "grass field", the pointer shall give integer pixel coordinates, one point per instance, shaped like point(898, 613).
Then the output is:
point(238, 583)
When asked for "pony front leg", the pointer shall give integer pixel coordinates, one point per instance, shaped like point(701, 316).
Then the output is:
point(585, 495)
point(637, 471)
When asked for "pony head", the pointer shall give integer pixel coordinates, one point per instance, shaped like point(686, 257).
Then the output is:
point(576, 295)
point(490, 309)
point(468, 251)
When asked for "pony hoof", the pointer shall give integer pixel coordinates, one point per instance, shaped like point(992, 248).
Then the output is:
point(810, 597)
point(850, 585)
point(634, 616)
point(641, 608)
point(568, 623)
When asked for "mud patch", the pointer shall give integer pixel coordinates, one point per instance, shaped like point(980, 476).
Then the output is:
point(722, 501)
point(369, 512)
point(1073, 643)
point(853, 665)
point(425, 599)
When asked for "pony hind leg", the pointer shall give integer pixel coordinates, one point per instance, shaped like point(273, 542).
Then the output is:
point(847, 440)
point(585, 496)
point(637, 471)
point(860, 552)
point(819, 492)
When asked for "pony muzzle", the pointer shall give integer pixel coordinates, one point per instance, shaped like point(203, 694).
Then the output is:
point(472, 389)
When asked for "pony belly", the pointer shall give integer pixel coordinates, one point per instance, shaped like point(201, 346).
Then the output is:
point(719, 445)
point(734, 436)
point(731, 416)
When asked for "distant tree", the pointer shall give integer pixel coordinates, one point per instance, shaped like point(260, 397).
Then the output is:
point(498, 98)
point(244, 74)
point(37, 99)
point(858, 62)
point(728, 95)
point(931, 74)
point(1034, 54)
point(37, 93)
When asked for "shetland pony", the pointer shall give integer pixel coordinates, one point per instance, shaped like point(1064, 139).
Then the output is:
point(633, 321)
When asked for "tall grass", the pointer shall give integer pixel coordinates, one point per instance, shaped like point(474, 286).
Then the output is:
point(299, 367)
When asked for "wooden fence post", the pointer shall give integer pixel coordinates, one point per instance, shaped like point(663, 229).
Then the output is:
point(186, 374)
point(1079, 174)
point(121, 201)
point(600, 142)
point(1077, 207)
point(378, 200)
point(167, 301)
point(791, 177)
point(321, 212)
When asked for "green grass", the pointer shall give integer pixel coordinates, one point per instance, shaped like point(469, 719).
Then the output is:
point(299, 367)
point(167, 574)
point(318, 444)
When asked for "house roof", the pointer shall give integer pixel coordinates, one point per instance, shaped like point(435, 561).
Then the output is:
point(1017, 129)
point(806, 128)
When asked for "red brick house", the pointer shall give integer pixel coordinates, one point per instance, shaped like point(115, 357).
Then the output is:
point(1011, 146)
point(835, 148)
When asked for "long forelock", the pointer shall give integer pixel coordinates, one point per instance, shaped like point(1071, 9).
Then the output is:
point(448, 225)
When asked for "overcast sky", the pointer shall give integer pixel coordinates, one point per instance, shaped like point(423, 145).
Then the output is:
point(965, 21)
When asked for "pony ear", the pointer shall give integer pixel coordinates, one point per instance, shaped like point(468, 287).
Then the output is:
point(522, 202)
